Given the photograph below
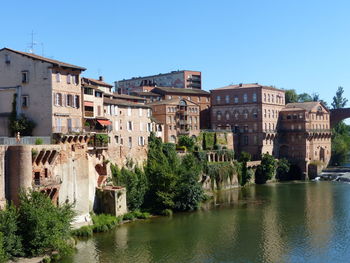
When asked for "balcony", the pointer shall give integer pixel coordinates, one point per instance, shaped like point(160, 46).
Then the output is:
point(66, 130)
point(89, 114)
point(183, 131)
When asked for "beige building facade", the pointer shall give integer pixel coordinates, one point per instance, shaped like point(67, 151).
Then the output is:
point(48, 91)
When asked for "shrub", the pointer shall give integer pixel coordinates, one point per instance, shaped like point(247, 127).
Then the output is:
point(9, 228)
point(135, 181)
point(39, 141)
point(186, 141)
point(43, 226)
point(282, 172)
point(129, 216)
point(3, 257)
point(104, 222)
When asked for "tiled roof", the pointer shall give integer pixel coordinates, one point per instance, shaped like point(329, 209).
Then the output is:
point(180, 90)
point(125, 96)
point(145, 93)
point(48, 60)
point(124, 103)
point(174, 101)
point(308, 106)
point(249, 85)
point(96, 82)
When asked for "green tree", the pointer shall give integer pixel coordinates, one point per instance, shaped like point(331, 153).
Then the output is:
point(245, 175)
point(291, 96)
point(304, 97)
point(186, 141)
point(161, 176)
point(189, 191)
point(338, 100)
point(43, 226)
point(266, 170)
point(12, 243)
point(282, 171)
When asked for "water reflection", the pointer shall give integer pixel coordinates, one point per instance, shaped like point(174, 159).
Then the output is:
point(293, 222)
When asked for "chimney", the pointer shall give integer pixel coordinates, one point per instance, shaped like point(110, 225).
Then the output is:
point(240, 84)
point(100, 78)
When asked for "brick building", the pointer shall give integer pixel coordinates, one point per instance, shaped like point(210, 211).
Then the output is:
point(305, 134)
point(179, 117)
point(185, 79)
point(251, 111)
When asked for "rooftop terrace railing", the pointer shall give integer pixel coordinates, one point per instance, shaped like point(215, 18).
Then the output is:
point(30, 140)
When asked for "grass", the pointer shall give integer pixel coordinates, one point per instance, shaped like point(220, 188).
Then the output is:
point(104, 222)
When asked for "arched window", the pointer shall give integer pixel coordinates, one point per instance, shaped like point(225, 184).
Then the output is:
point(236, 114)
point(218, 115)
point(245, 114)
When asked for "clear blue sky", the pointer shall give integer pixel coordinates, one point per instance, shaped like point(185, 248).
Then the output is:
point(304, 45)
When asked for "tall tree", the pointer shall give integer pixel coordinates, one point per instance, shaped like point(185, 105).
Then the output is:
point(304, 97)
point(338, 100)
point(291, 96)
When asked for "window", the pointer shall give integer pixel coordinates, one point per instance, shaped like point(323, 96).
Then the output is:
point(245, 98)
point(218, 115)
point(98, 94)
point(68, 79)
point(76, 79)
point(130, 142)
point(255, 139)
point(199, 99)
point(268, 97)
point(254, 97)
point(245, 114)
point(140, 112)
point(148, 112)
point(245, 128)
point(88, 91)
point(7, 59)
point(227, 114)
point(264, 97)
point(245, 140)
point(69, 100)
point(58, 99)
point(116, 139)
point(264, 113)
point(236, 115)
point(129, 125)
point(116, 126)
point(58, 77)
point(272, 98)
point(141, 126)
point(218, 99)
point(129, 111)
point(25, 101)
point(25, 77)
point(169, 97)
point(77, 101)
point(255, 114)
point(169, 119)
point(141, 141)
point(235, 99)
point(227, 98)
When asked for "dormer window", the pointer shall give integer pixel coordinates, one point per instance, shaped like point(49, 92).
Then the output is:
point(25, 77)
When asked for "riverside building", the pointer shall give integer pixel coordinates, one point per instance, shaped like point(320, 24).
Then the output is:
point(251, 111)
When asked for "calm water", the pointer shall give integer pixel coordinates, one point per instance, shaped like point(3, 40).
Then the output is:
point(292, 222)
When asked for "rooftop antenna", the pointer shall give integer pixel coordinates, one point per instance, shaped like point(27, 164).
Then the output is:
point(32, 43)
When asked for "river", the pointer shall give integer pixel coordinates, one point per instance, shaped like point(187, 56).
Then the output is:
point(285, 222)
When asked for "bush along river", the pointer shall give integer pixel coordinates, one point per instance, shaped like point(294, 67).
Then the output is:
point(281, 222)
